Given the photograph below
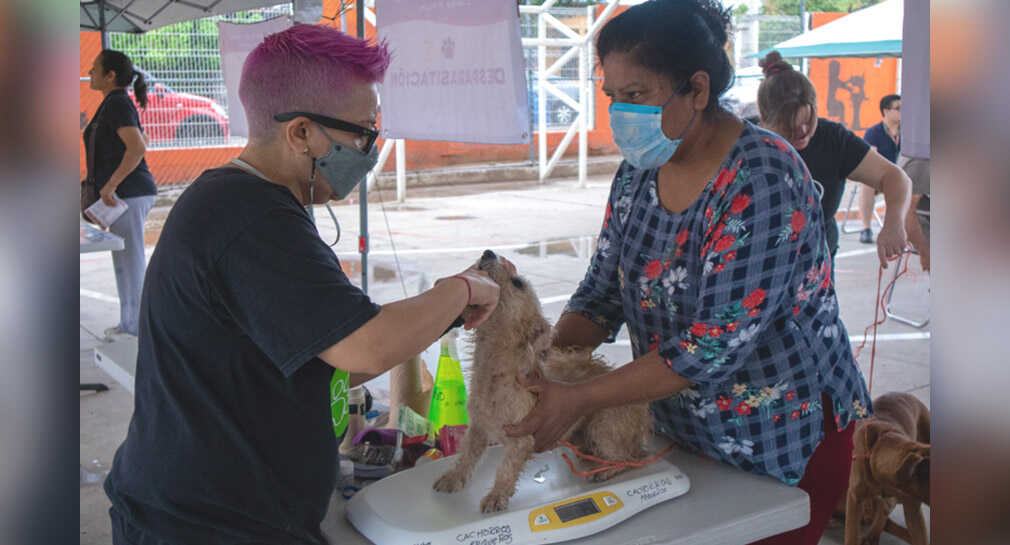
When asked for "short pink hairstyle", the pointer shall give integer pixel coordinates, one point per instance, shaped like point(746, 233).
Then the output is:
point(304, 68)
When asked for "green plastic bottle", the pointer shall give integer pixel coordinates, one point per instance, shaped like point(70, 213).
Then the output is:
point(448, 396)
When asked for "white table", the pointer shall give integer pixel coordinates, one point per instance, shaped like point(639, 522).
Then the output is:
point(94, 239)
point(118, 359)
point(725, 506)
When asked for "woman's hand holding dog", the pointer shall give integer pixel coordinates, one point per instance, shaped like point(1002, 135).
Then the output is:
point(482, 295)
point(559, 406)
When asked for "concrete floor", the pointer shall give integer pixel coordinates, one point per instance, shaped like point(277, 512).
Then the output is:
point(546, 230)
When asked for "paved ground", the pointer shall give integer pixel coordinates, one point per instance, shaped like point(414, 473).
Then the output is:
point(547, 230)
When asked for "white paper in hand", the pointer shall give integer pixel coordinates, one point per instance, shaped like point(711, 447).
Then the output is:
point(104, 215)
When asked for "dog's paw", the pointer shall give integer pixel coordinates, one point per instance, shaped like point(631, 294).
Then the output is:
point(606, 475)
point(450, 482)
point(494, 502)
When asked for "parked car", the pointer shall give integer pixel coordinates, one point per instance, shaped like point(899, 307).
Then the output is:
point(179, 119)
point(559, 114)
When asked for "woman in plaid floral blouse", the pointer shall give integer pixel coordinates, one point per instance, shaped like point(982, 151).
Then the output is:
point(713, 253)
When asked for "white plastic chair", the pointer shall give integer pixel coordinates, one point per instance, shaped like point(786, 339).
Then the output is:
point(918, 323)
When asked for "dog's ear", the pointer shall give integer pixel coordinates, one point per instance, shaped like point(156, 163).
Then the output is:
point(914, 467)
point(465, 315)
point(541, 339)
point(872, 431)
point(922, 476)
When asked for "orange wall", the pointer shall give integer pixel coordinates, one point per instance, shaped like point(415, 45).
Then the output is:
point(183, 165)
point(851, 85)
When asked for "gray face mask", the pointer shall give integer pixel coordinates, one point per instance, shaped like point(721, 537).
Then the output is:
point(344, 167)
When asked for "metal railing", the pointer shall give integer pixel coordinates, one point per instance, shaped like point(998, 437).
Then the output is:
point(187, 100)
point(754, 33)
point(577, 46)
point(560, 114)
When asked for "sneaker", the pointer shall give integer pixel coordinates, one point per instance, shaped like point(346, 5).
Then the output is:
point(866, 236)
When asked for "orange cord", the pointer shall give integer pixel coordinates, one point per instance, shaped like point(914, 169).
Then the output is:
point(878, 307)
point(608, 464)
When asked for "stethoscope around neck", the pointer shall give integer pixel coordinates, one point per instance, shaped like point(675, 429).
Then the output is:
point(308, 208)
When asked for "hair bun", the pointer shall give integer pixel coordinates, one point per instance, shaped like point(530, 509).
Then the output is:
point(717, 18)
point(773, 63)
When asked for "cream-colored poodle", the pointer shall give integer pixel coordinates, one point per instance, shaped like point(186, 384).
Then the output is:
point(516, 340)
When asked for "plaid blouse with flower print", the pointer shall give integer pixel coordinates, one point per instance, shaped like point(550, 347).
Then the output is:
point(736, 294)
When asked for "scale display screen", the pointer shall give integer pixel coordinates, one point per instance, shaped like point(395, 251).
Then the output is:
point(576, 510)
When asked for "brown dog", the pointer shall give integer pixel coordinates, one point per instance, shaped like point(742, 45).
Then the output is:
point(890, 465)
point(516, 341)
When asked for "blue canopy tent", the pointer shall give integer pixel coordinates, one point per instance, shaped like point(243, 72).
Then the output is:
point(870, 32)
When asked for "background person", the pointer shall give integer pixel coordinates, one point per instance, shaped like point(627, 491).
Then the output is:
point(787, 104)
point(247, 314)
point(713, 253)
point(115, 144)
point(885, 139)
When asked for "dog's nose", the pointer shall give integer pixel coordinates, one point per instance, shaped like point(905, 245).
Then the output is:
point(488, 256)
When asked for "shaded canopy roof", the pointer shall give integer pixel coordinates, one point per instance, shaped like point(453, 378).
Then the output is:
point(870, 32)
point(142, 15)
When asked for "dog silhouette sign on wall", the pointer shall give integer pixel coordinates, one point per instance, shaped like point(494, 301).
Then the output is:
point(852, 89)
point(849, 88)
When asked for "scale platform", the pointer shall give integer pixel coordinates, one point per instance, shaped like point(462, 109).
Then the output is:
point(550, 504)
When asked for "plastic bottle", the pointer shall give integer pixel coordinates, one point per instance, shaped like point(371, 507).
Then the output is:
point(356, 418)
point(448, 396)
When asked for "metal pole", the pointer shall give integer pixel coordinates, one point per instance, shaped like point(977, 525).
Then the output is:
point(584, 111)
point(542, 95)
point(101, 24)
point(529, 94)
point(401, 171)
point(804, 66)
point(363, 188)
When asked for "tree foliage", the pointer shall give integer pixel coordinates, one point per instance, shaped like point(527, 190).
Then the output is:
point(190, 45)
point(792, 7)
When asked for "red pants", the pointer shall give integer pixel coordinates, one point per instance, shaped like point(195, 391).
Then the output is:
point(825, 480)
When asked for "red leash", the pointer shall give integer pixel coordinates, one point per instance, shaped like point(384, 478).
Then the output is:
point(607, 464)
point(878, 307)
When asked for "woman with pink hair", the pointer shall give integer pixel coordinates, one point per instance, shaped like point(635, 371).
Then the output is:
point(247, 317)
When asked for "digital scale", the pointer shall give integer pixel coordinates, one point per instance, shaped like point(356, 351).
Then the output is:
point(551, 504)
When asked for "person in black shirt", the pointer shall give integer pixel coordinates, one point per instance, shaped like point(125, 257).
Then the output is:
point(787, 104)
point(247, 318)
point(885, 138)
point(115, 144)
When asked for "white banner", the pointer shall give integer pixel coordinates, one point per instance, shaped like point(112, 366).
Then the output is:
point(457, 72)
point(237, 41)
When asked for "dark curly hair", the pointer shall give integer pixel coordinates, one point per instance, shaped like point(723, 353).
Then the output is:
point(675, 38)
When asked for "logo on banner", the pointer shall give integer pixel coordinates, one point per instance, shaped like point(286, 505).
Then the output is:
point(458, 72)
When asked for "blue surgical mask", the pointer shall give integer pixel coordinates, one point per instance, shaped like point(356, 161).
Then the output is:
point(638, 132)
point(344, 167)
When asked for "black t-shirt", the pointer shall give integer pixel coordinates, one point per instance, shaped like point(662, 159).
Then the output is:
point(833, 153)
point(231, 439)
point(115, 112)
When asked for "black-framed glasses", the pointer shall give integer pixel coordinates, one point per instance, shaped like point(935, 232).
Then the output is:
point(370, 134)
